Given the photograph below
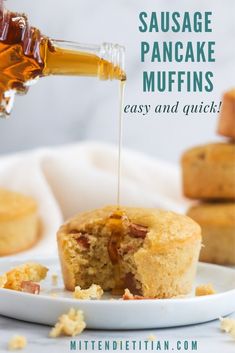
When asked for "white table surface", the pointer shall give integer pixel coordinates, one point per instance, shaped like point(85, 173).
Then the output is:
point(209, 337)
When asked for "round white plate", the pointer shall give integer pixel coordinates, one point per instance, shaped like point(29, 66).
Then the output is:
point(110, 313)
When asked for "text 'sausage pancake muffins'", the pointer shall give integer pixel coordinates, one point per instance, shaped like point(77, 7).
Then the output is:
point(151, 252)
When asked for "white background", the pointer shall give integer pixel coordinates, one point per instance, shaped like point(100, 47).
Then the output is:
point(67, 109)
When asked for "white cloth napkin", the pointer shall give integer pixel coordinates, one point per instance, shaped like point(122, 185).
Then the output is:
point(68, 179)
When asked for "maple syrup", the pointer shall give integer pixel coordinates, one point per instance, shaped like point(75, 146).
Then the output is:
point(120, 139)
point(116, 223)
point(26, 55)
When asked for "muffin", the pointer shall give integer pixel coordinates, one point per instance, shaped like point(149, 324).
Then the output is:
point(151, 252)
point(209, 171)
point(19, 225)
point(218, 231)
point(226, 126)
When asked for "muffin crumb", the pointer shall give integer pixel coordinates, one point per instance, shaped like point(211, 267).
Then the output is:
point(151, 338)
point(17, 342)
point(70, 324)
point(3, 280)
point(93, 292)
point(129, 296)
point(54, 279)
point(29, 272)
point(228, 325)
point(204, 289)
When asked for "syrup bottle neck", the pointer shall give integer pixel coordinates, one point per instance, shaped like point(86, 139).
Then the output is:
point(105, 61)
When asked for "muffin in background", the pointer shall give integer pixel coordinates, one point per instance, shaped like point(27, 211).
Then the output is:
point(208, 172)
point(218, 231)
point(19, 222)
point(226, 125)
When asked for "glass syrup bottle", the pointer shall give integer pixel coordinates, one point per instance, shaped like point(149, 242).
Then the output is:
point(26, 55)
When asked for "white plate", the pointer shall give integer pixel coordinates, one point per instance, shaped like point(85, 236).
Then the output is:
point(119, 314)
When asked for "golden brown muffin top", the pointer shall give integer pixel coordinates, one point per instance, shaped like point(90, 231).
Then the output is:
point(211, 152)
point(216, 214)
point(14, 205)
point(163, 227)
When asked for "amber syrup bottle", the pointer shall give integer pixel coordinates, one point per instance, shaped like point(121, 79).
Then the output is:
point(26, 55)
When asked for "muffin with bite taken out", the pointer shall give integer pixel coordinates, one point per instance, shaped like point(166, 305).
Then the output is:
point(153, 253)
